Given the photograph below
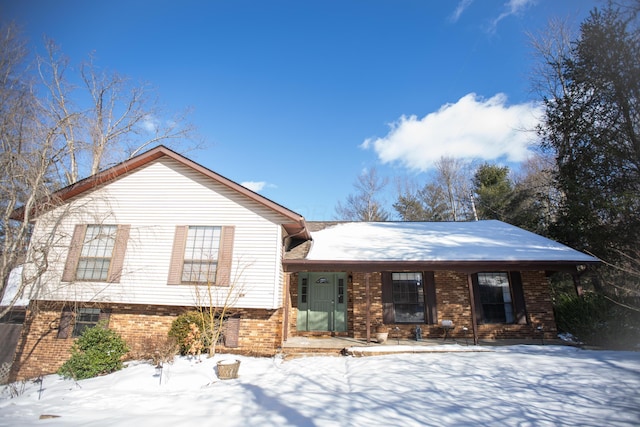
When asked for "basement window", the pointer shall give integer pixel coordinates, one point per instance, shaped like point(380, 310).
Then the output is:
point(85, 318)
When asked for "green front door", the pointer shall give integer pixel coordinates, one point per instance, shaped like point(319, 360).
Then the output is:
point(322, 302)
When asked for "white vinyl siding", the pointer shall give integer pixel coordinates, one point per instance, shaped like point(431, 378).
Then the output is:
point(153, 200)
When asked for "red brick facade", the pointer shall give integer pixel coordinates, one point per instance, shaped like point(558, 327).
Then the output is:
point(453, 303)
point(260, 333)
point(144, 328)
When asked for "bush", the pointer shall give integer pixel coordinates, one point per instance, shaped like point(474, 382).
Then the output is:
point(182, 330)
point(595, 320)
point(98, 351)
point(158, 349)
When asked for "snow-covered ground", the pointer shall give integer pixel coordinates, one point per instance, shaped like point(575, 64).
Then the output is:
point(501, 386)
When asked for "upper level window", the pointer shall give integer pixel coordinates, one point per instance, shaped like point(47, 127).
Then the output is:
point(495, 297)
point(97, 250)
point(96, 253)
point(201, 254)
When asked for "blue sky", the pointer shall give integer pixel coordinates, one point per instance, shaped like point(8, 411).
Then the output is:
point(297, 98)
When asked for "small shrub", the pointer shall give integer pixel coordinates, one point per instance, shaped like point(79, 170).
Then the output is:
point(97, 351)
point(158, 349)
point(165, 351)
point(182, 330)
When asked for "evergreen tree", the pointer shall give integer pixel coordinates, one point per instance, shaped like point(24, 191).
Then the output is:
point(593, 127)
point(494, 192)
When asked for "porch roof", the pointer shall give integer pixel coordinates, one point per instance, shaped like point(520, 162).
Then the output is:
point(459, 245)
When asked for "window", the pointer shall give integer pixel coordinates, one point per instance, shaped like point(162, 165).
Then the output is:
point(495, 297)
point(201, 255)
point(499, 297)
point(304, 290)
point(85, 318)
point(73, 321)
point(95, 257)
point(408, 297)
point(96, 253)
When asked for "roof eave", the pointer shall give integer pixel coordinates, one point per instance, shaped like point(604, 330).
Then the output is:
point(295, 223)
point(298, 265)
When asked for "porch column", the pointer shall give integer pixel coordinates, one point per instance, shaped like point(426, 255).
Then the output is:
point(368, 302)
point(472, 301)
point(287, 303)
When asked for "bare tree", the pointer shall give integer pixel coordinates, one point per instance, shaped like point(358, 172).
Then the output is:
point(550, 47)
point(453, 176)
point(27, 157)
point(537, 199)
point(48, 141)
point(364, 205)
point(216, 303)
point(121, 120)
point(446, 197)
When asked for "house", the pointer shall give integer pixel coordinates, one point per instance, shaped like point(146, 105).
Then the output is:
point(488, 278)
point(147, 239)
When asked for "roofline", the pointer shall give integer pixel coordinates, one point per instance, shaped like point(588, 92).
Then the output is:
point(298, 222)
point(300, 265)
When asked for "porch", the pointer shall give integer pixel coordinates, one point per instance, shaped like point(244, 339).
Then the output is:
point(348, 346)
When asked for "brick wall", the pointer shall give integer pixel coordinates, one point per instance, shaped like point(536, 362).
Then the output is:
point(40, 352)
point(452, 303)
point(358, 308)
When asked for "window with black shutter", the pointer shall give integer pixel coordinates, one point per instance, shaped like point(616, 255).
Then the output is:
point(499, 297)
point(408, 297)
point(74, 321)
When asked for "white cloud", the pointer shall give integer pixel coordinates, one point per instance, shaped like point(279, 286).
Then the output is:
point(150, 123)
point(512, 7)
point(462, 6)
point(256, 186)
point(472, 128)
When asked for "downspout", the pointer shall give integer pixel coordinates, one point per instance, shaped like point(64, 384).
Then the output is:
point(287, 279)
point(474, 322)
point(287, 304)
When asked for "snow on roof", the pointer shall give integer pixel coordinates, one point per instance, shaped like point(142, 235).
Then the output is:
point(13, 285)
point(489, 240)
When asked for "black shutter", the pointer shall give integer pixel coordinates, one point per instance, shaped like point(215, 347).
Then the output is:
point(75, 249)
point(431, 312)
point(105, 314)
point(476, 299)
point(388, 311)
point(66, 323)
point(519, 307)
point(231, 332)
